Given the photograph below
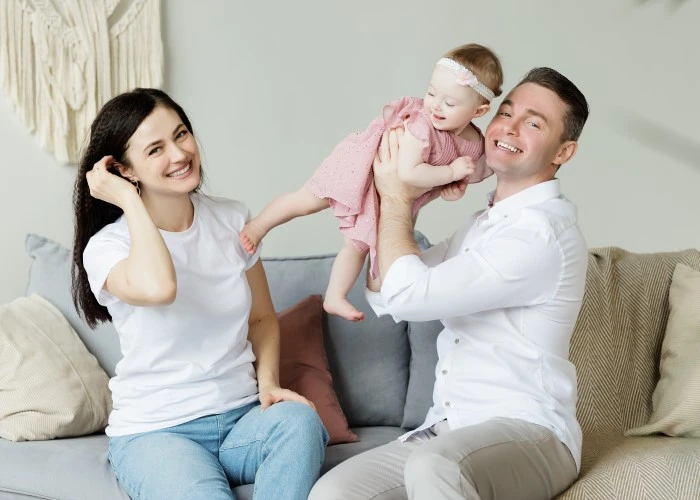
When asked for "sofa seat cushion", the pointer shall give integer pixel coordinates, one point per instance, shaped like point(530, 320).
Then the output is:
point(370, 437)
point(78, 469)
point(61, 469)
point(638, 467)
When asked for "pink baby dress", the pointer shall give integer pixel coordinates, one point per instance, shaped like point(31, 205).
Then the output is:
point(346, 178)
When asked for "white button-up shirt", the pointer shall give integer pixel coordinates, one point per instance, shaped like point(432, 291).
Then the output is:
point(507, 287)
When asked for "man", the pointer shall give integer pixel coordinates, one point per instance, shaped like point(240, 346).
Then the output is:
point(507, 287)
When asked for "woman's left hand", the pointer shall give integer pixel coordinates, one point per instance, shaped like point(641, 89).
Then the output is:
point(273, 395)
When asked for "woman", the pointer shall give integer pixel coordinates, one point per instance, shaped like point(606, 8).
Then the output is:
point(193, 312)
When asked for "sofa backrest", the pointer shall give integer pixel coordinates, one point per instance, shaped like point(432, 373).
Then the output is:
point(617, 340)
point(369, 361)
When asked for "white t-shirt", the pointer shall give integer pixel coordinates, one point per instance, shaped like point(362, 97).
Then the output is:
point(190, 358)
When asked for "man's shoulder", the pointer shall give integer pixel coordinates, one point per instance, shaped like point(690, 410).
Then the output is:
point(557, 214)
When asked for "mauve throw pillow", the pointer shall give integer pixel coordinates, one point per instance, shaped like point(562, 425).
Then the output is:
point(304, 365)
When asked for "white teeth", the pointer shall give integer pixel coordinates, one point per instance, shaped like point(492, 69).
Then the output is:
point(508, 147)
point(180, 172)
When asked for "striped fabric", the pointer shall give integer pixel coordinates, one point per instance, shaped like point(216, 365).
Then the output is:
point(50, 385)
point(676, 398)
point(616, 347)
point(638, 468)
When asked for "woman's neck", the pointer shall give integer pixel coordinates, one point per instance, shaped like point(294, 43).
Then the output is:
point(170, 213)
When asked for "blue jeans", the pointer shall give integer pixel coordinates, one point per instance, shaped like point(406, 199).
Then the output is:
point(280, 450)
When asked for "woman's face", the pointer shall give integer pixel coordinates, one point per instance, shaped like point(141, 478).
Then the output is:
point(163, 155)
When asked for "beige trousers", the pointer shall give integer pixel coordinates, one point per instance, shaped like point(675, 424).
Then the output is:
point(498, 459)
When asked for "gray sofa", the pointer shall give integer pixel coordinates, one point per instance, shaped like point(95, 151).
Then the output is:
point(383, 375)
point(382, 372)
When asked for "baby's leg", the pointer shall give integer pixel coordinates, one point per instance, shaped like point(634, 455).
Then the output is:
point(346, 269)
point(280, 210)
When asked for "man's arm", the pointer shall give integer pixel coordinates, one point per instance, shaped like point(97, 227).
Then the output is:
point(520, 267)
point(515, 269)
point(395, 231)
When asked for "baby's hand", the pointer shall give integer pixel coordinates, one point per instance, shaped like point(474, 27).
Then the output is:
point(481, 171)
point(453, 191)
point(462, 167)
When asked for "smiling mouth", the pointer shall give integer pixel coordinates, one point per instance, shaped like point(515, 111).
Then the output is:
point(507, 147)
point(179, 173)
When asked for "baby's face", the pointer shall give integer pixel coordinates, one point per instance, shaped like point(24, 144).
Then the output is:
point(449, 105)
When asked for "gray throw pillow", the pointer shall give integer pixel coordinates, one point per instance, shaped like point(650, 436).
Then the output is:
point(50, 276)
point(421, 379)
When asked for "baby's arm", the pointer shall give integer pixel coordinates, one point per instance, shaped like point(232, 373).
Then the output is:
point(481, 170)
point(455, 190)
point(280, 210)
point(428, 176)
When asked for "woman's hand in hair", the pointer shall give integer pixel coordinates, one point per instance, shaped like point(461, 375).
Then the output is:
point(107, 186)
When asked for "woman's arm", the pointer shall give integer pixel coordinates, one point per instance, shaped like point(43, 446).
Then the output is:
point(264, 336)
point(147, 276)
point(263, 330)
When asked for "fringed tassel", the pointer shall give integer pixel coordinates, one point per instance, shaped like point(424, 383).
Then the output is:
point(59, 69)
point(137, 48)
point(17, 60)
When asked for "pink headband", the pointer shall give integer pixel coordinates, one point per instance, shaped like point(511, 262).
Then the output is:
point(467, 78)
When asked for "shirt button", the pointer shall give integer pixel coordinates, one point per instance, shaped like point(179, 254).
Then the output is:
point(444, 372)
point(456, 341)
point(447, 403)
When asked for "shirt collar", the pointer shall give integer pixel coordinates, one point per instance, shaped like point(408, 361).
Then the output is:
point(530, 196)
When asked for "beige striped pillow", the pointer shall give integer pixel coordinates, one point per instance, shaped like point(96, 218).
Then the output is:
point(50, 385)
point(676, 400)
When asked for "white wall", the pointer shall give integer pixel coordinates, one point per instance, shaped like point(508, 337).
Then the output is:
point(271, 87)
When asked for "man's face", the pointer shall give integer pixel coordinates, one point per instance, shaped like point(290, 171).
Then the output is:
point(524, 138)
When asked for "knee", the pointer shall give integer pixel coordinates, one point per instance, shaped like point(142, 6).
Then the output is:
point(326, 488)
point(300, 423)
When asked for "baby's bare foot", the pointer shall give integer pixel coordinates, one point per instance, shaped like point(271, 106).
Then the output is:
point(340, 306)
point(250, 236)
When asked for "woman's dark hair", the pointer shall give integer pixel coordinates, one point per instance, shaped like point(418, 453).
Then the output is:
point(109, 135)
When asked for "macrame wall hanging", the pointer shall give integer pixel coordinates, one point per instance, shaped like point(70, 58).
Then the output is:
point(61, 60)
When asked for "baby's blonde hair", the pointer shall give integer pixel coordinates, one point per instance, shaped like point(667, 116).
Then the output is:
point(483, 62)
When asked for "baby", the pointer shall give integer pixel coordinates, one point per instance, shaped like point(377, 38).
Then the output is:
point(462, 85)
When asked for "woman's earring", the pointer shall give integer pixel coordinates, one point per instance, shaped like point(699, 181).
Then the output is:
point(138, 189)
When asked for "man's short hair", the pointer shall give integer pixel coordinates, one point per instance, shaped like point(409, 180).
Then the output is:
point(577, 112)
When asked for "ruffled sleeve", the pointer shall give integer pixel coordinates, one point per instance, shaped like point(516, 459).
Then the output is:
point(409, 110)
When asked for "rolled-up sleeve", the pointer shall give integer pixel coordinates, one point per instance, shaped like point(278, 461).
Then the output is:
point(515, 268)
point(430, 257)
